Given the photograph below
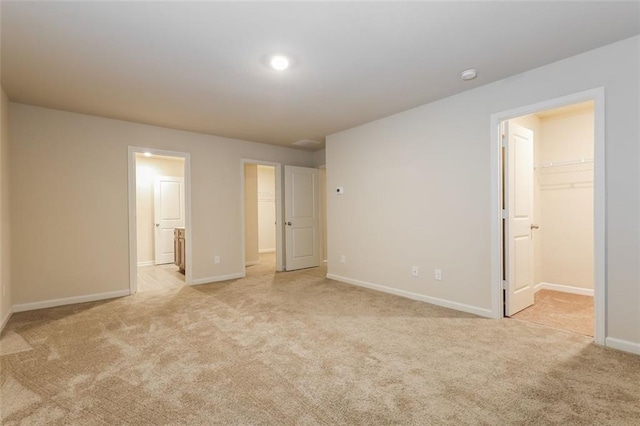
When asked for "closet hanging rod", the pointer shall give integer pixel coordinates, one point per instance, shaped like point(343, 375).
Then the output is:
point(564, 163)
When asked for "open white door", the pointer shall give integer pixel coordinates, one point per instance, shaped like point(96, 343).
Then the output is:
point(519, 203)
point(169, 214)
point(302, 218)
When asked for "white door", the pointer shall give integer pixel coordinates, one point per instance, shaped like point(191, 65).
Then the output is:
point(519, 204)
point(303, 247)
point(169, 214)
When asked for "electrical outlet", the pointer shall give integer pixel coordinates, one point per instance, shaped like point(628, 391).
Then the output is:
point(343, 258)
point(414, 271)
point(438, 274)
point(216, 260)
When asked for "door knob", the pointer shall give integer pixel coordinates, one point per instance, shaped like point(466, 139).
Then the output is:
point(534, 226)
point(157, 224)
point(289, 223)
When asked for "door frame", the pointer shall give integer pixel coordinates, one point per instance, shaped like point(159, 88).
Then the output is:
point(596, 95)
point(133, 240)
point(279, 216)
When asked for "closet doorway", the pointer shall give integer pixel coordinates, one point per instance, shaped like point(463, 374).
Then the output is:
point(548, 222)
point(261, 208)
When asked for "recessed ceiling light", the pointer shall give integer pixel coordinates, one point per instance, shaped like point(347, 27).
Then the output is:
point(147, 154)
point(279, 62)
point(469, 74)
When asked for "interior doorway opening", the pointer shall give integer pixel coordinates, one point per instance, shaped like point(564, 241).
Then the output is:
point(548, 251)
point(260, 218)
point(262, 227)
point(159, 220)
point(160, 225)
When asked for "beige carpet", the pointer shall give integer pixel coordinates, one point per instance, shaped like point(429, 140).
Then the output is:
point(297, 349)
point(564, 311)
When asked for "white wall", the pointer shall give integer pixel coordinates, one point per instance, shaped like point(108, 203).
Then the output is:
point(566, 226)
point(320, 161)
point(323, 211)
point(266, 209)
point(5, 223)
point(69, 200)
point(319, 158)
point(418, 187)
point(147, 169)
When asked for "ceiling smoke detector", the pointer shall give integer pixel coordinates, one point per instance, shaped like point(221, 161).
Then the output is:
point(306, 143)
point(469, 74)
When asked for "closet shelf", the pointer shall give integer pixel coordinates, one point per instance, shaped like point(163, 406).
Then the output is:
point(560, 173)
point(564, 163)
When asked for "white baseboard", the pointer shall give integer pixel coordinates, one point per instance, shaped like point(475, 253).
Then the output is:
point(252, 263)
point(564, 289)
point(147, 263)
point(415, 296)
point(219, 278)
point(69, 301)
point(6, 319)
point(623, 345)
point(269, 250)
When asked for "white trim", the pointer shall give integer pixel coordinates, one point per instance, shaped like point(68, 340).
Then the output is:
point(200, 281)
point(497, 279)
point(69, 301)
point(147, 263)
point(252, 263)
point(6, 319)
point(133, 233)
point(279, 217)
point(279, 220)
point(415, 296)
point(131, 188)
point(269, 250)
point(600, 216)
point(623, 345)
point(597, 96)
point(563, 288)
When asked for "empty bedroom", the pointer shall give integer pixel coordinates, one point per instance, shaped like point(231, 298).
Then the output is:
point(319, 213)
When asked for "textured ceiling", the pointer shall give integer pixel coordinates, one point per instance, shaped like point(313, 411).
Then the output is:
point(200, 66)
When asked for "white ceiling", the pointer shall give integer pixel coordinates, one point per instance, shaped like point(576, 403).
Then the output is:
point(200, 66)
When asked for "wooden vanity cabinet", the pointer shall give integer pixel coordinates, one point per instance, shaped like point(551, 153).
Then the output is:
point(179, 248)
